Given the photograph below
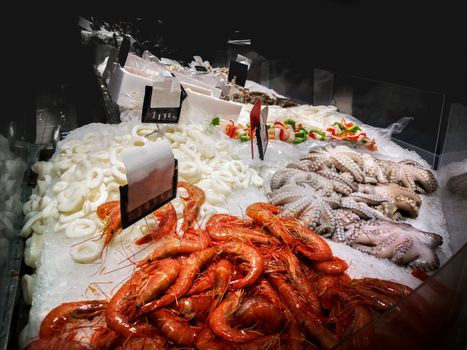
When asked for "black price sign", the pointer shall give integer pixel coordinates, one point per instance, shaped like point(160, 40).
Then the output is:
point(262, 137)
point(124, 50)
point(201, 69)
point(129, 217)
point(161, 115)
point(238, 71)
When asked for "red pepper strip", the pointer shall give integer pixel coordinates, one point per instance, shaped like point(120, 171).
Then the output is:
point(348, 125)
point(230, 129)
point(279, 123)
point(331, 130)
point(313, 136)
point(282, 135)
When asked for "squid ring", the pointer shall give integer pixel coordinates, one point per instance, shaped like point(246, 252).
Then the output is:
point(220, 186)
point(27, 230)
point(41, 187)
point(113, 187)
point(225, 176)
point(69, 174)
point(60, 186)
point(115, 153)
point(27, 286)
point(70, 200)
point(237, 167)
point(189, 170)
point(118, 172)
point(44, 202)
point(103, 194)
point(193, 154)
point(141, 130)
point(214, 198)
point(81, 228)
point(86, 252)
point(50, 210)
point(64, 219)
point(99, 156)
point(77, 158)
point(38, 227)
point(63, 164)
point(94, 177)
point(27, 207)
point(32, 250)
point(138, 141)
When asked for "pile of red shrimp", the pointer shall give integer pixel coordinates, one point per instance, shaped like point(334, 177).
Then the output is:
point(263, 282)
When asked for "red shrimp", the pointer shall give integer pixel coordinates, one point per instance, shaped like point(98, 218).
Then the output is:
point(193, 203)
point(188, 270)
point(265, 215)
point(295, 337)
point(224, 271)
point(175, 328)
point(109, 212)
point(349, 314)
point(380, 294)
point(196, 304)
point(159, 280)
point(220, 317)
point(315, 247)
point(167, 217)
point(204, 282)
point(260, 313)
point(302, 284)
point(333, 267)
point(206, 340)
point(122, 306)
point(223, 227)
point(327, 281)
point(57, 343)
point(174, 246)
point(311, 323)
point(103, 211)
point(144, 343)
point(267, 342)
point(66, 317)
point(250, 254)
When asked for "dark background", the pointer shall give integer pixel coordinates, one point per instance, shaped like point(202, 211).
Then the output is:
point(414, 44)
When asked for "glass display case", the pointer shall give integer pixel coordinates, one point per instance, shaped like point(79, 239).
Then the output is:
point(434, 316)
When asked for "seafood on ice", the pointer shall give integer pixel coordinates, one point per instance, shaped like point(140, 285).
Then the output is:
point(360, 200)
point(274, 284)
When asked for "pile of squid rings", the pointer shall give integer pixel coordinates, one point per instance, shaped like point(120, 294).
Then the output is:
point(263, 282)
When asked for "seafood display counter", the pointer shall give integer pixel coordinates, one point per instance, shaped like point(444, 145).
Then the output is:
point(336, 239)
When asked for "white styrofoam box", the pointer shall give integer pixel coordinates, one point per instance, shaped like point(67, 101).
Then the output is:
point(127, 89)
point(187, 79)
point(196, 88)
point(201, 108)
point(145, 67)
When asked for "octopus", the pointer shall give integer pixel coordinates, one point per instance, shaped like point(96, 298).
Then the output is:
point(304, 202)
point(324, 184)
point(400, 201)
point(365, 168)
point(410, 174)
point(401, 243)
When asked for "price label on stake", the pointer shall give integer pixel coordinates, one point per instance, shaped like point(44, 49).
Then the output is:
point(262, 138)
point(152, 174)
point(255, 115)
point(161, 115)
